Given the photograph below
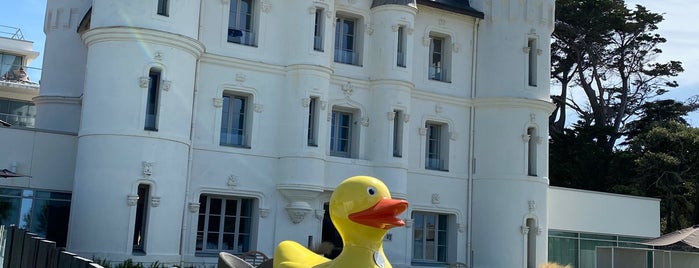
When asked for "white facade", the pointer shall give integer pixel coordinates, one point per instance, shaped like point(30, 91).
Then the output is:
point(460, 132)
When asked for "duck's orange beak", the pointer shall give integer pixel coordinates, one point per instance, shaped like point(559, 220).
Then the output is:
point(382, 215)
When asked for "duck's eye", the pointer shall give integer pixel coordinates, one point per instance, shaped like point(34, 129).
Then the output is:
point(371, 190)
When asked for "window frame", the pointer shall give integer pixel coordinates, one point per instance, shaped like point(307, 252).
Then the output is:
point(319, 30)
point(153, 98)
point(440, 150)
point(247, 36)
point(398, 133)
point(244, 127)
point(352, 137)
point(420, 233)
point(163, 8)
point(401, 47)
point(532, 63)
point(313, 115)
point(141, 219)
point(441, 73)
point(340, 49)
point(204, 217)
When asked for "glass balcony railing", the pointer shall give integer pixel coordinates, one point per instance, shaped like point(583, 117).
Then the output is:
point(20, 74)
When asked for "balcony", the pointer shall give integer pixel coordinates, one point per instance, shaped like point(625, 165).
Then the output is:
point(19, 77)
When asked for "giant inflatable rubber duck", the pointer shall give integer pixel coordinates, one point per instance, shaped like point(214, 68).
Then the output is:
point(362, 210)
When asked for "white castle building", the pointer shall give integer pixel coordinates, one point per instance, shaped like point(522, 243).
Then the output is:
point(188, 127)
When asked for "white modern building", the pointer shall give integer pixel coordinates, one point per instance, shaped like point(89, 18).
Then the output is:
point(18, 82)
point(187, 127)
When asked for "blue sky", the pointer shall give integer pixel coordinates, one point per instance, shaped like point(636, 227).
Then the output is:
point(680, 28)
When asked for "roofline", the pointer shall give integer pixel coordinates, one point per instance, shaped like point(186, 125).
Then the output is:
point(464, 10)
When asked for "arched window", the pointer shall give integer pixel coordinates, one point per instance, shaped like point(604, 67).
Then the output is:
point(531, 242)
point(141, 221)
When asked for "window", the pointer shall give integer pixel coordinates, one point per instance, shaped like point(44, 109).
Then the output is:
point(235, 121)
point(225, 224)
point(313, 122)
point(163, 7)
point(43, 213)
point(17, 113)
point(531, 45)
point(398, 133)
point(140, 226)
point(8, 64)
point(531, 243)
point(431, 232)
point(439, 58)
point(241, 28)
point(152, 102)
point(400, 62)
point(318, 30)
point(531, 148)
point(437, 146)
point(346, 41)
point(343, 135)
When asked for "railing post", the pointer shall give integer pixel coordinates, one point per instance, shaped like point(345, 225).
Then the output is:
point(29, 249)
point(17, 246)
point(43, 254)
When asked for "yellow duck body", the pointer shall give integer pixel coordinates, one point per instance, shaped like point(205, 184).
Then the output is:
point(362, 211)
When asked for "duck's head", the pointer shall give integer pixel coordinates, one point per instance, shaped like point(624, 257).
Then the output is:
point(361, 206)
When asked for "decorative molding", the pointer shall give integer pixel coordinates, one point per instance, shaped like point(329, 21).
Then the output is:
point(538, 230)
point(218, 102)
point(147, 168)
point(297, 214)
point(369, 28)
point(422, 131)
point(365, 121)
point(524, 230)
point(266, 7)
point(453, 135)
point(155, 201)
point(299, 197)
point(526, 50)
point(406, 118)
point(158, 56)
point(391, 116)
point(461, 227)
point(320, 213)
point(258, 108)
point(264, 212)
point(240, 77)
point(305, 102)
point(435, 198)
point(410, 31)
point(166, 85)
point(132, 200)
point(395, 27)
point(525, 138)
point(442, 21)
point(312, 10)
point(323, 104)
point(232, 181)
point(426, 41)
point(408, 223)
point(143, 82)
point(532, 117)
point(438, 108)
point(456, 47)
point(193, 207)
point(348, 89)
point(539, 51)
point(330, 116)
point(532, 206)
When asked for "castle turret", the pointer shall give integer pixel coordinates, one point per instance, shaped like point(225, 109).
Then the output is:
point(134, 138)
point(510, 134)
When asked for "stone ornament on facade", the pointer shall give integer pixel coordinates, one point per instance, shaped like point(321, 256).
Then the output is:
point(323, 104)
point(410, 31)
point(524, 230)
point(305, 102)
point(369, 28)
point(240, 77)
point(320, 214)
point(166, 85)
point(408, 223)
point(426, 41)
point(158, 56)
point(147, 168)
point(395, 27)
point(296, 215)
point(258, 108)
point(264, 212)
point(532, 206)
point(232, 181)
point(406, 118)
point(348, 89)
point(461, 227)
point(435, 198)
point(266, 7)
point(155, 201)
point(365, 121)
point(438, 108)
point(456, 47)
point(422, 131)
point(193, 207)
point(453, 135)
point(526, 50)
point(131, 200)
point(143, 81)
point(218, 102)
point(391, 116)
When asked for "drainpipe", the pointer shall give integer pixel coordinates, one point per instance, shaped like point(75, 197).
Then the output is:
point(471, 143)
point(192, 124)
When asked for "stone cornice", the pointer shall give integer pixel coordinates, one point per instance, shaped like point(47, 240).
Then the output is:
point(57, 99)
point(121, 33)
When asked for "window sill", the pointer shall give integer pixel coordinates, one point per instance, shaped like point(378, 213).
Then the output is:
point(443, 81)
point(247, 45)
point(350, 64)
point(431, 264)
point(235, 146)
point(437, 169)
point(151, 129)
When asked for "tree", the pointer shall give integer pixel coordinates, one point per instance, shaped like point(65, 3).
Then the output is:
point(605, 50)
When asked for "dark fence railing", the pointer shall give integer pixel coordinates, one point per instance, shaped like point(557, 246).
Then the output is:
point(24, 249)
